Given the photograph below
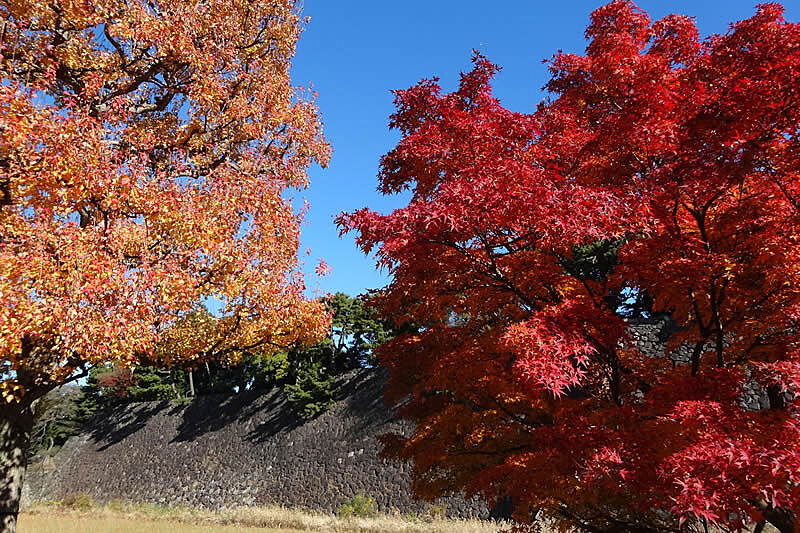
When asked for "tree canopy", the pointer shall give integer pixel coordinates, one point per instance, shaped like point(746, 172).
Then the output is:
point(684, 154)
point(146, 151)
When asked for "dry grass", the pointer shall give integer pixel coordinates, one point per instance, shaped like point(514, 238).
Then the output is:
point(34, 523)
point(126, 518)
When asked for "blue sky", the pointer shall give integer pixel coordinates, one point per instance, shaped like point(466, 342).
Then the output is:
point(356, 52)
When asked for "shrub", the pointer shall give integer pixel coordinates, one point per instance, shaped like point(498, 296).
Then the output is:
point(359, 506)
point(312, 392)
point(437, 511)
point(80, 501)
point(116, 505)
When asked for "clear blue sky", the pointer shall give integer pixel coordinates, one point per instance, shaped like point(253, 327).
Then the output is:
point(356, 51)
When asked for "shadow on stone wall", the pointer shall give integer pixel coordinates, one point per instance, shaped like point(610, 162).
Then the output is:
point(250, 449)
point(115, 425)
point(242, 449)
point(271, 409)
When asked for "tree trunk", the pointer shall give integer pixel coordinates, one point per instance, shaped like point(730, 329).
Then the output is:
point(15, 433)
point(782, 519)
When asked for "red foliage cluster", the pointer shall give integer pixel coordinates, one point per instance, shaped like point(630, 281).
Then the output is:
point(118, 381)
point(522, 382)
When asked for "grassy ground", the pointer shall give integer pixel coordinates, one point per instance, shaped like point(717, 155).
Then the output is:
point(84, 517)
point(82, 524)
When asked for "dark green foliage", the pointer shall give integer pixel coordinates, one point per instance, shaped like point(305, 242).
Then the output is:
point(90, 400)
point(356, 331)
point(110, 385)
point(63, 412)
point(278, 367)
point(309, 372)
point(57, 418)
point(254, 372)
point(312, 392)
point(596, 261)
point(150, 384)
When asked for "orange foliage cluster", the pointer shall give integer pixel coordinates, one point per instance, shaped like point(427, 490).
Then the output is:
point(145, 154)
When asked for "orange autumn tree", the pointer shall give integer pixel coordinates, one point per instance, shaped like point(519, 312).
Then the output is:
point(678, 159)
point(146, 151)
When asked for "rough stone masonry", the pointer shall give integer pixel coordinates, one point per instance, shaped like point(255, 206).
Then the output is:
point(249, 449)
point(242, 449)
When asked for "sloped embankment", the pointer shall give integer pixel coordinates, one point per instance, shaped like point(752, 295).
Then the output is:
point(243, 449)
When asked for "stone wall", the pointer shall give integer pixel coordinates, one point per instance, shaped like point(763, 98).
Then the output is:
point(650, 337)
point(249, 449)
point(243, 449)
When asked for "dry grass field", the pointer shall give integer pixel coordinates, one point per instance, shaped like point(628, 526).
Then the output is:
point(124, 518)
point(81, 524)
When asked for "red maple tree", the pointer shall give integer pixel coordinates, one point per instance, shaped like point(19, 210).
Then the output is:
point(677, 157)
